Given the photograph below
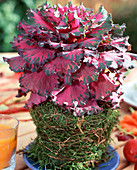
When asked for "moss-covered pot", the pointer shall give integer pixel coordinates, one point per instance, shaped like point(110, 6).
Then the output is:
point(67, 142)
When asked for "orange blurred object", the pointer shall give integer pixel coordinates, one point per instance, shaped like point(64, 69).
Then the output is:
point(7, 145)
point(129, 123)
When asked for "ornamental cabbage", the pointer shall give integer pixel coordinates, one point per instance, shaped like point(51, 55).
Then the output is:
point(71, 56)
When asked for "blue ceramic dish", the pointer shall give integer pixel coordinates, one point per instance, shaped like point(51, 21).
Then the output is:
point(112, 164)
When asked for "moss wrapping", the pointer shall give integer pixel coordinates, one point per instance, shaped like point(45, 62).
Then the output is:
point(68, 142)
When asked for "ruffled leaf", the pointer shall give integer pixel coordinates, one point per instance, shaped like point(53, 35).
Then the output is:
point(103, 28)
point(127, 61)
point(63, 24)
point(118, 30)
point(110, 59)
point(35, 99)
point(103, 86)
point(51, 15)
point(69, 47)
point(107, 59)
point(61, 66)
point(72, 95)
point(38, 19)
point(121, 44)
point(73, 20)
point(78, 32)
point(39, 83)
point(82, 11)
point(90, 53)
point(100, 64)
point(86, 74)
point(90, 108)
point(61, 45)
point(54, 45)
point(74, 55)
point(90, 43)
point(114, 99)
point(19, 43)
point(61, 9)
point(25, 27)
point(17, 64)
point(31, 67)
point(93, 58)
point(132, 55)
point(33, 53)
point(38, 55)
point(99, 16)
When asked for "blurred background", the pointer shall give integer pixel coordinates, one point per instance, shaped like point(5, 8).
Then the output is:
point(12, 11)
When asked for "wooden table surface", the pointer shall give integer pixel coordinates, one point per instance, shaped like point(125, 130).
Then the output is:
point(27, 133)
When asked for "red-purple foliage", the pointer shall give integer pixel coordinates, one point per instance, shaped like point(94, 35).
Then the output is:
point(72, 56)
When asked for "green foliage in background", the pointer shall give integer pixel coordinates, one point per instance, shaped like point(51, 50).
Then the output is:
point(128, 15)
point(11, 12)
